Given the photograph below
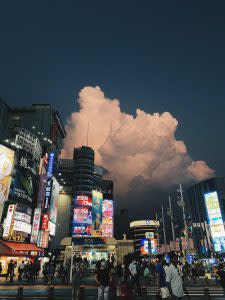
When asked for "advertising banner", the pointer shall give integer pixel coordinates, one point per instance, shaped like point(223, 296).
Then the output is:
point(144, 246)
point(107, 218)
point(83, 200)
point(48, 193)
point(177, 246)
point(97, 199)
point(41, 190)
point(215, 221)
point(6, 167)
point(54, 201)
point(184, 243)
point(44, 221)
point(172, 248)
point(23, 185)
point(82, 215)
point(50, 164)
point(45, 238)
point(9, 220)
point(36, 224)
point(21, 227)
point(81, 230)
point(52, 228)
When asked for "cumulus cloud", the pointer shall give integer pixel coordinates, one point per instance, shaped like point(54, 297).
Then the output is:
point(132, 148)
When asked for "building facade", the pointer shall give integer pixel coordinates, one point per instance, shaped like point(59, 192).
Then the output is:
point(144, 235)
point(206, 201)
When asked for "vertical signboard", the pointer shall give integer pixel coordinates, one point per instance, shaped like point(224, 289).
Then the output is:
point(45, 238)
point(44, 221)
point(6, 167)
point(23, 185)
point(107, 218)
point(9, 220)
point(215, 221)
point(97, 199)
point(41, 190)
point(36, 224)
point(54, 201)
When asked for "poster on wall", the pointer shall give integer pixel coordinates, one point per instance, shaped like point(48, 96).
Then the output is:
point(107, 218)
point(216, 221)
point(54, 200)
point(23, 185)
point(6, 167)
point(97, 199)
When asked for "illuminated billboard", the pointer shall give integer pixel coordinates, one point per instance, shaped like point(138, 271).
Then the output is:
point(54, 200)
point(97, 199)
point(23, 185)
point(83, 200)
point(107, 218)
point(215, 221)
point(6, 167)
point(82, 215)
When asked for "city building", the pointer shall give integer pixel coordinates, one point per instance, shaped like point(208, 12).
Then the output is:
point(144, 235)
point(206, 201)
point(39, 119)
point(85, 181)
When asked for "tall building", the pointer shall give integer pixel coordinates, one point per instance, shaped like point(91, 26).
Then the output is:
point(81, 176)
point(144, 234)
point(206, 201)
point(39, 119)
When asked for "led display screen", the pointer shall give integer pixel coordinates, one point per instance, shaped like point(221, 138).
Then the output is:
point(215, 221)
point(97, 199)
point(83, 200)
point(107, 218)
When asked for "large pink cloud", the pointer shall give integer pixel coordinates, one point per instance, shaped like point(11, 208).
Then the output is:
point(129, 147)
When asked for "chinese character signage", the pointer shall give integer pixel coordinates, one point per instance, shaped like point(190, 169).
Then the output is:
point(48, 193)
point(44, 221)
point(9, 220)
point(41, 190)
point(215, 221)
point(50, 164)
point(83, 200)
point(36, 224)
point(45, 238)
point(23, 185)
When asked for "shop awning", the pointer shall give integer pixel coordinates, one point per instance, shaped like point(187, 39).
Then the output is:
point(21, 246)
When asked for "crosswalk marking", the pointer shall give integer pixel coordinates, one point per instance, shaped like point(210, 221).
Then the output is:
point(192, 291)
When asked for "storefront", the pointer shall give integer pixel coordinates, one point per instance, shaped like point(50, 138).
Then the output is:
point(18, 252)
point(91, 248)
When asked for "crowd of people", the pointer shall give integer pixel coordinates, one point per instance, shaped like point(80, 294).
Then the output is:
point(127, 278)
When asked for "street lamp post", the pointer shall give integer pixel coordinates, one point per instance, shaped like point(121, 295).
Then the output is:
point(172, 222)
point(181, 203)
point(163, 223)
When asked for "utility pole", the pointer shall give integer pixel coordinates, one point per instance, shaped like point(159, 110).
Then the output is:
point(163, 222)
point(71, 262)
point(157, 232)
point(181, 203)
point(172, 223)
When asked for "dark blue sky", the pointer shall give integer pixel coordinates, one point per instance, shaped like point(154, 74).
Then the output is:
point(156, 55)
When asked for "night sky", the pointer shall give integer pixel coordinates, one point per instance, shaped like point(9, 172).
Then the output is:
point(155, 55)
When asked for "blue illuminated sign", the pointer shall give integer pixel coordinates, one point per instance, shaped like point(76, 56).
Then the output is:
point(50, 164)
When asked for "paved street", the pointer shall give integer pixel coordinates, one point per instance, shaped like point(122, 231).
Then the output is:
point(40, 291)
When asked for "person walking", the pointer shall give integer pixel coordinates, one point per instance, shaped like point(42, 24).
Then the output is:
point(103, 280)
point(134, 271)
point(161, 277)
point(174, 279)
point(20, 270)
point(10, 271)
point(76, 280)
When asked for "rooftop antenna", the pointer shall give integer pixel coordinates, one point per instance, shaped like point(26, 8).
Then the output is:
point(87, 133)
